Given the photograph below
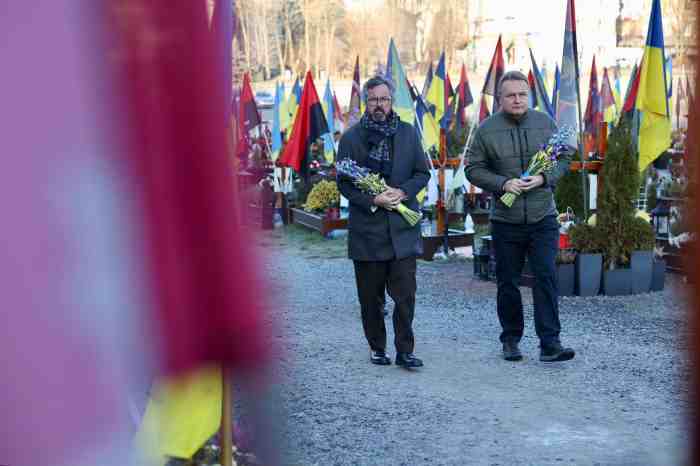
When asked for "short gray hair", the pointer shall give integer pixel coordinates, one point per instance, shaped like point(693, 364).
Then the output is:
point(513, 75)
point(375, 81)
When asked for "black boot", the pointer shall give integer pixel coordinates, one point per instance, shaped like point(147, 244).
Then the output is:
point(408, 360)
point(380, 358)
point(555, 352)
point(511, 352)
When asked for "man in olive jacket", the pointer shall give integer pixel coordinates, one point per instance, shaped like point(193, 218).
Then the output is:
point(499, 154)
point(382, 245)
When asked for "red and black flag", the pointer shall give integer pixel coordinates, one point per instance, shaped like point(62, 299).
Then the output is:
point(483, 109)
point(464, 98)
point(494, 74)
point(248, 115)
point(309, 125)
point(593, 116)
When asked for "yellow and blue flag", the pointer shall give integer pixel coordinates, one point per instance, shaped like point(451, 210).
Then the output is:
point(555, 90)
point(403, 103)
point(541, 94)
point(329, 111)
point(652, 97)
point(429, 129)
point(438, 94)
point(276, 143)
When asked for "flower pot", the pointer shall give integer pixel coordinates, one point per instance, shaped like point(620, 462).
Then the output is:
point(658, 275)
point(617, 282)
point(588, 268)
point(641, 265)
point(566, 279)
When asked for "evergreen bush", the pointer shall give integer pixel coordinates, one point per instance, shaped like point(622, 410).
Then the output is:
point(616, 221)
point(569, 193)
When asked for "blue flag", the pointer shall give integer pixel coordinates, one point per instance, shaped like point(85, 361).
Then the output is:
point(555, 91)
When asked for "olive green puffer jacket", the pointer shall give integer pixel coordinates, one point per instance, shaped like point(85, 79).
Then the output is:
point(500, 150)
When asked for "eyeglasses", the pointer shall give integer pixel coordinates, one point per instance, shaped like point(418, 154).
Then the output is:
point(378, 100)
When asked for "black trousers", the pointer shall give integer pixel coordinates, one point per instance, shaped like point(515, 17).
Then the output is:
point(540, 242)
point(398, 277)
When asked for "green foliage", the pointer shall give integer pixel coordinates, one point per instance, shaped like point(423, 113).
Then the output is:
point(569, 193)
point(585, 239)
point(651, 195)
point(616, 223)
point(457, 139)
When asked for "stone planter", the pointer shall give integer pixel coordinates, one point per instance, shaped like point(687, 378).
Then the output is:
point(658, 275)
point(617, 282)
point(566, 279)
point(641, 265)
point(589, 268)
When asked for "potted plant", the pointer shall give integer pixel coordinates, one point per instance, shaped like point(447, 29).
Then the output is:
point(623, 233)
point(589, 259)
point(566, 272)
point(641, 255)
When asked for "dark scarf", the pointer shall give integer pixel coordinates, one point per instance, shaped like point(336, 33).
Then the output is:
point(379, 136)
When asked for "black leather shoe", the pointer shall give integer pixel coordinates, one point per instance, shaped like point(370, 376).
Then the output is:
point(380, 358)
point(408, 360)
point(511, 352)
point(555, 352)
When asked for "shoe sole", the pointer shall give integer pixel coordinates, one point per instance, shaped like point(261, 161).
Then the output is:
point(563, 356)
point(513, 358)
point(409, 366)
point(381, 363)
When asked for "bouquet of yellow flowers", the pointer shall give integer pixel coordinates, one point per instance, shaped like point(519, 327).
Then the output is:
point(545, 159)
point(374, 184)
point(323, 195)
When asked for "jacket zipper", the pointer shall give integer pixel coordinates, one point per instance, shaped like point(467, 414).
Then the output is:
point(522, 170)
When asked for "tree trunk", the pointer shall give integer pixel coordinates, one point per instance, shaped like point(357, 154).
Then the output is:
point(266, 49)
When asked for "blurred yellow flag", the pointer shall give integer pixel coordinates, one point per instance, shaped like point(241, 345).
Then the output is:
point(181, 415)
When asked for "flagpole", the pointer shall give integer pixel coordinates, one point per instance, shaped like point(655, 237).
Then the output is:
point(584, 177)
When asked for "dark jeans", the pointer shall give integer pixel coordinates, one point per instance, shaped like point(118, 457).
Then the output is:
point(398, 277)
point(540, 242)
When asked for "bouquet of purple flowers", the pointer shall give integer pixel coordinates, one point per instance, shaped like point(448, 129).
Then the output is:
point(544, 160)
point(374, 184)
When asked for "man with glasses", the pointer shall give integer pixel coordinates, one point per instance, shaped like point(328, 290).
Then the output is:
point(499, 154)
point(382, 245)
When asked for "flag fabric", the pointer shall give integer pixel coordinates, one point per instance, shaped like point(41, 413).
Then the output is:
point(652, 97)
point(222, 29)
point(493, 76)
point(249, 116)
point(182, 413)
point(607, 100)
point(126, 228)
point(276, 143)
point(329, 112)
point(428, 81)
point(483, 109)
point(309, 125)
point(593, 116)
point(464, 98)
point(541, 93)
point(555, 89)
point(338, 114)
point(617, 90)
point(402, 101)
point(438, 94)
point(568, 96)
point(629, 103)
point(531, 85)
point(429, 128)
point(355, 107)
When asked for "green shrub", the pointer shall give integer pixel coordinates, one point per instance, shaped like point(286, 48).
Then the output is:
point(569, 193)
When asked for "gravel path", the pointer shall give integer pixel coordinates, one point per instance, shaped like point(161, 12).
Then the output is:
point(621, 401)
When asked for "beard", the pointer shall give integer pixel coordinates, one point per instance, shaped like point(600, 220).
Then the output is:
point(378, 115)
